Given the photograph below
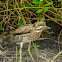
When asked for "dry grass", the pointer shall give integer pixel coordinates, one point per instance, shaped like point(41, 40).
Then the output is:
point(14, 13)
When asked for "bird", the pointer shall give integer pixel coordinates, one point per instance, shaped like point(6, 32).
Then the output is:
point(27, 34)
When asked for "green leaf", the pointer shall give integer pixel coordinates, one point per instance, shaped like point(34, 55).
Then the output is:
point(41, 0)
point(1, 28)
point(37, 46)
point(48, 4)
point(46, 9)
point(36, 2)
point(59, 0)
point(39, 11)
point(20, 22)
point(59, 17)
point(29, 5)
point(0, 25)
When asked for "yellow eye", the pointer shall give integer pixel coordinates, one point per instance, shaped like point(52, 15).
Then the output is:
point(37, 26)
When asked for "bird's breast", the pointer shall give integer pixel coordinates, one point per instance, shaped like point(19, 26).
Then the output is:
point(31, 37)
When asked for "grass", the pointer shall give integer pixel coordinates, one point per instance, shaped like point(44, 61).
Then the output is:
point(12, 12)
point(56, 56)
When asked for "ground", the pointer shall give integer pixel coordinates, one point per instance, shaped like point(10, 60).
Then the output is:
point(46, 52)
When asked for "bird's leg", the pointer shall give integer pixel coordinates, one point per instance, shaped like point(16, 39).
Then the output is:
point(30, 52)
point(21, 45)
point(35, 51)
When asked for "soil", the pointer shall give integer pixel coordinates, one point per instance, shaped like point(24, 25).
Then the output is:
point(46, 52)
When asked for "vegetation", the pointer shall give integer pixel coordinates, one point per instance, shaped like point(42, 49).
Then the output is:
point(15, 13)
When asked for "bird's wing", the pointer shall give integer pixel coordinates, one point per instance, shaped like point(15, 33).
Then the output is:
point(24, 29)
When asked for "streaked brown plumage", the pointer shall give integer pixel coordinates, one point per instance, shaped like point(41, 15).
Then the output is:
point(27, 33)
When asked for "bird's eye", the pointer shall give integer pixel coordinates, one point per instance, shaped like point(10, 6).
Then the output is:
point(37, 26)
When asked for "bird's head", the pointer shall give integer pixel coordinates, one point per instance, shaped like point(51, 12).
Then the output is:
point(40, 26)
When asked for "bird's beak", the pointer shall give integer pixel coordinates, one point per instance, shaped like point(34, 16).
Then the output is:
point(47, 27)
point(42, 28)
